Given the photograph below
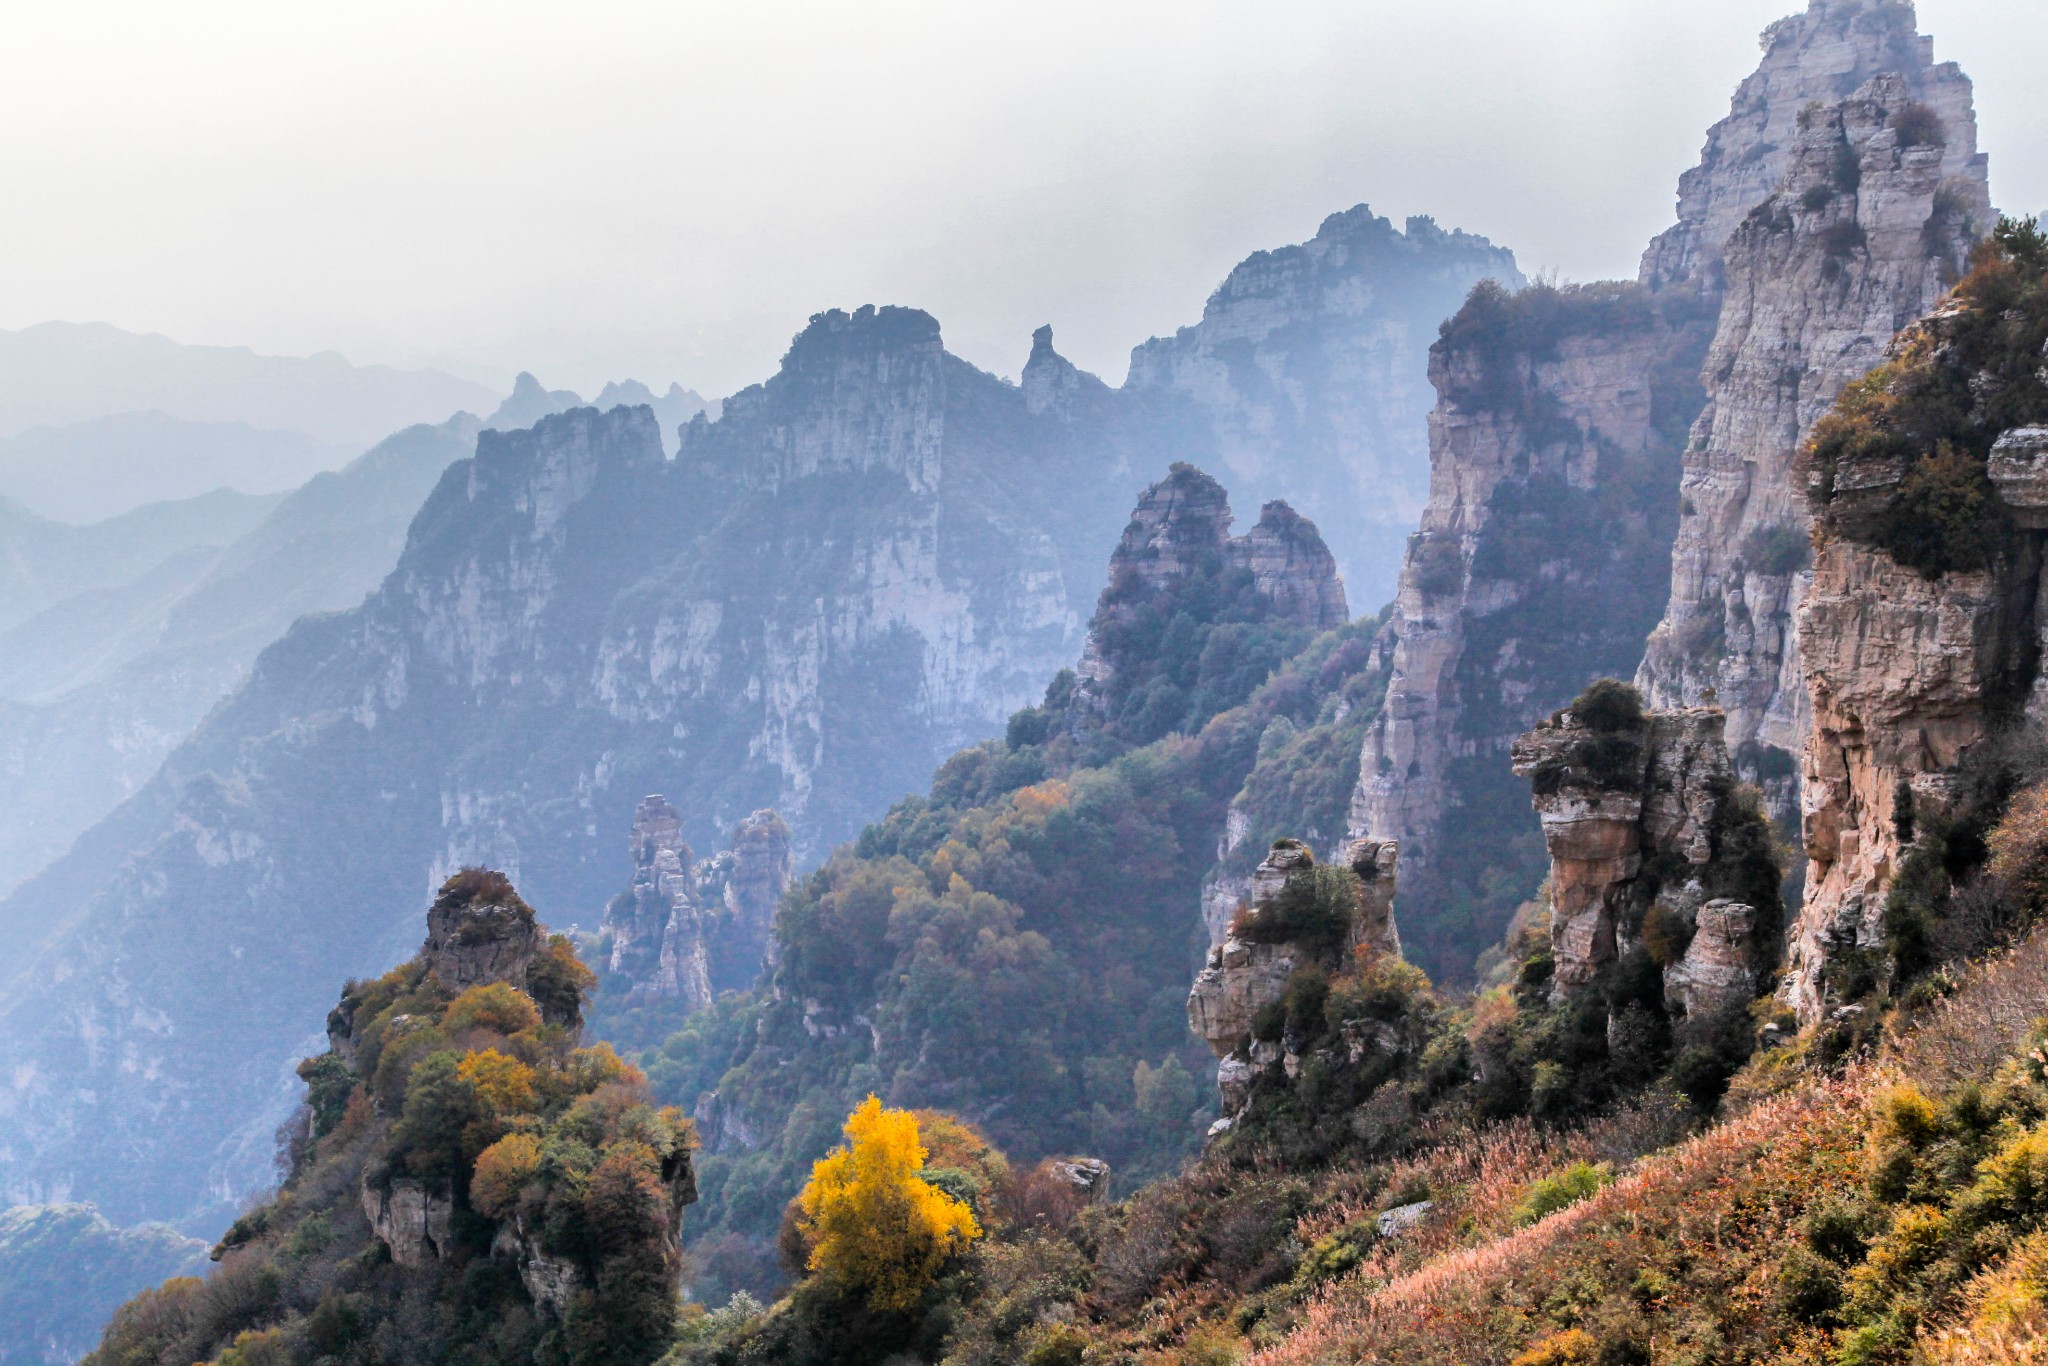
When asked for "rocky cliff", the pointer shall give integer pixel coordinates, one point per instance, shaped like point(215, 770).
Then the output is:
point(1176, 569)
point(1644, 435)
point(1860, 214)
point(1921, 632)
point(1653, 849)
point(862, 565)
point(687, 928)
point(1541, 561)
point(1307, 377)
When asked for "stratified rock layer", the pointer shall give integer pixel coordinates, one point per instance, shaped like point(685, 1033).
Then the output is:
point(1633, 816)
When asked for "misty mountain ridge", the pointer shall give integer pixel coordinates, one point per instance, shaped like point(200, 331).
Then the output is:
point(865, 563)
point(60, 373)
point(105, 466)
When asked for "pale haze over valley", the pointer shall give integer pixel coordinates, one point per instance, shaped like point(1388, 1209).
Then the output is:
point(1024, 683)
point(667, 190)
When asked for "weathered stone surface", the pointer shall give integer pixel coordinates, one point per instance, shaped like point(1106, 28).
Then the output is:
point(1898, 667)
point(1239, 981)
point(1377, 863)
point(1088, 1175)
point(1615, 804)
point(1831, 49)
point(1721, 966)
point(476, 942)
point(411, 1220)
point(1861, 232)
point(2019, 471)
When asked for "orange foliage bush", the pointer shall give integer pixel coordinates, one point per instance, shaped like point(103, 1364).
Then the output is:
point(502, 1171)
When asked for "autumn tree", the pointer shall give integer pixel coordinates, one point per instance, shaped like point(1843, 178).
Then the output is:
point(874, 1224)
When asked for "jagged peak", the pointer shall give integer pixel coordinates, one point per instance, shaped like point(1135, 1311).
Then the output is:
point(1050, 381)
point(835, 331)
point(1820, 56)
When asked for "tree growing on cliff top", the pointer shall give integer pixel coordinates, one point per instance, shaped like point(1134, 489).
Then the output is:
point(875, 1225)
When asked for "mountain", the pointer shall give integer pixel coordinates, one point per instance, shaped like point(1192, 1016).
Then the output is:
point(43, 562)
point(97, 687)
point(60, 374)
point(869, 561)
point(471, 1184)
point(1879, 195)
point(864, 564)
point(1308, 377)
point(92, 470)
point(530, 401)
point(64, 1270)
point(1570, 508)
point(1025, 928)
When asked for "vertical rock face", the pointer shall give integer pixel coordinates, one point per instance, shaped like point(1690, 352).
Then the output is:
point(1827, 210)
point(1247, 974)
point(1307, 371)
point(1860, 215)
point(685, 930)
point(1637, 818)
point(1821, 55)
point(1922, 631)
point(1541, 561)
point(656, 928)
point(747, 882)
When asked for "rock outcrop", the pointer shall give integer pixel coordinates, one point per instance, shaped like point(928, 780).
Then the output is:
point(1807, 234)
point(866, 563)
point(1541, 561)
point(479, 932)
point(686, 929)
point(413, 1221)
point(1646, 833)
point(1862, 211)
point(1306, 377)
point(1247, 975)
point(1922, 630)
point(1180, 535)
point(1177, 551)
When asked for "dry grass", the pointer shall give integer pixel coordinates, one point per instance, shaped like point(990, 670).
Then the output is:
point(1711, 1217)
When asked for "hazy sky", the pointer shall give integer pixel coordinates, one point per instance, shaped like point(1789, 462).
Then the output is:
point(669, 189)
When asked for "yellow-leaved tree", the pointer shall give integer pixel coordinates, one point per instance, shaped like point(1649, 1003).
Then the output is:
point(873, 1223)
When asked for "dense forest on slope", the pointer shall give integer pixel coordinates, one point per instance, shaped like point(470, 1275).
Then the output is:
point(1015, 946)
